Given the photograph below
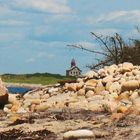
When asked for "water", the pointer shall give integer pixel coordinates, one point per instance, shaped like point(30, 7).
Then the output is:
point(20, 90)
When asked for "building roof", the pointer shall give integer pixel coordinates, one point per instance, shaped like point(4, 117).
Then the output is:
point(74, 68)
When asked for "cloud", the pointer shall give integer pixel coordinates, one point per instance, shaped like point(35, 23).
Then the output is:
point(11, 22)
point(11, 36)
point(47, 6)
point(40, 56)
point(30, 60)
point(85, 44)
point(45, 54)
point(106, 31)
point(118, 16)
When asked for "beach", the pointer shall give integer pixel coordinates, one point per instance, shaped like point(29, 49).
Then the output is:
point(100, 105)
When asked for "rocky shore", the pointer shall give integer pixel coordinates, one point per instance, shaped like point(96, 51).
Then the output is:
point(102, 105)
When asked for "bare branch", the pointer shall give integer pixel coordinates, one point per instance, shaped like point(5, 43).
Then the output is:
point(99, 64)
point(83, 48)
point(138, 29)
point(103, 42)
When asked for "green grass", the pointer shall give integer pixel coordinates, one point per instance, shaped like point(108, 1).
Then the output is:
point(36, 78)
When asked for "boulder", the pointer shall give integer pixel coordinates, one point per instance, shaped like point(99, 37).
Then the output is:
point(99, 88)
point(111, 69)
point(70, 87)
point(115, 87)
point(102, 73)
point(125, 67)
point(3, 94)
point(130, 85)
point(91, 82)
point(43, 107)
point(122, 109)
point(107, 79)
point(90, 93)
point(79, 85)
point(95, 105)
point(81, 92)
point(91, 74)
point(12, 98)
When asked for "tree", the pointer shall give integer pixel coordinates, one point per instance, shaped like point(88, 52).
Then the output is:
point(114, 50)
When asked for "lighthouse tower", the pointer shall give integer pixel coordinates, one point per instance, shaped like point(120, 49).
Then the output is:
point(73, 63)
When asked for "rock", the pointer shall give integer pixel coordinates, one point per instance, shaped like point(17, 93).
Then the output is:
point(116, 116)
point(13, 99)
point(71, 87)
point(130, 85)
point(82, 104)
point(122, 109)
point(21, 110)
point(126, 67)
point(3, 94)
point(104, 92)
point(81, 92)
point(114, 94)
point(91, 74)
point(91, 82)
point(9, 106)
point(43, 107)
point(101, 134)
point(90, 93)
point(134, 96)
point(136, 72)
point(126, 102)
point(115, 87)
point(109, 97)
point(95, 98)
point(15, 108)
point(107, 79)
point(35, 101)
point(14, 118)
point(102, 73)
point(26, 103)
point(45, 96)
point(53, 90)
point(32, 96)
point(79, 85)
point(82, 133)
point(80, 80)
point(136, 102)
point(110, 106)
point(112, 69)
point(32, 108)
point(87, 88)
point(108, 84)
point(99, 88)
point(95, 105)
point(6, 110)
point(124, 95)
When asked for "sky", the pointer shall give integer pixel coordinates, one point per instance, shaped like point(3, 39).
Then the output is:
point(34, 34)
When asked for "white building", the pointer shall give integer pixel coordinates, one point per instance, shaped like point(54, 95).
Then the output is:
point(74, 70)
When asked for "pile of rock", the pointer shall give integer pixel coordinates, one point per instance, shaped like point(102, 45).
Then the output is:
point(114, 88)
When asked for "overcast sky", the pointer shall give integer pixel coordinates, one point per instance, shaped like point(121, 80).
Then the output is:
point(34, 34)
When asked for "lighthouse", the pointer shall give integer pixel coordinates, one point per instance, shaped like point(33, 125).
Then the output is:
point(74, 70)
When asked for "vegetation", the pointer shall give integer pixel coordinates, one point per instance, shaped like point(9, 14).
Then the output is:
point(114, 50)
point(36, 78)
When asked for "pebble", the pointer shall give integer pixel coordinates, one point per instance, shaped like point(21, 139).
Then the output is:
point(83, 133)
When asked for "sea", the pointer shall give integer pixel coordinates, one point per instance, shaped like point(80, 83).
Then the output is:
point(19, 90)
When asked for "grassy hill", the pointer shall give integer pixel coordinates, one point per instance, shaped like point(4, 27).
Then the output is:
point(36, 78)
